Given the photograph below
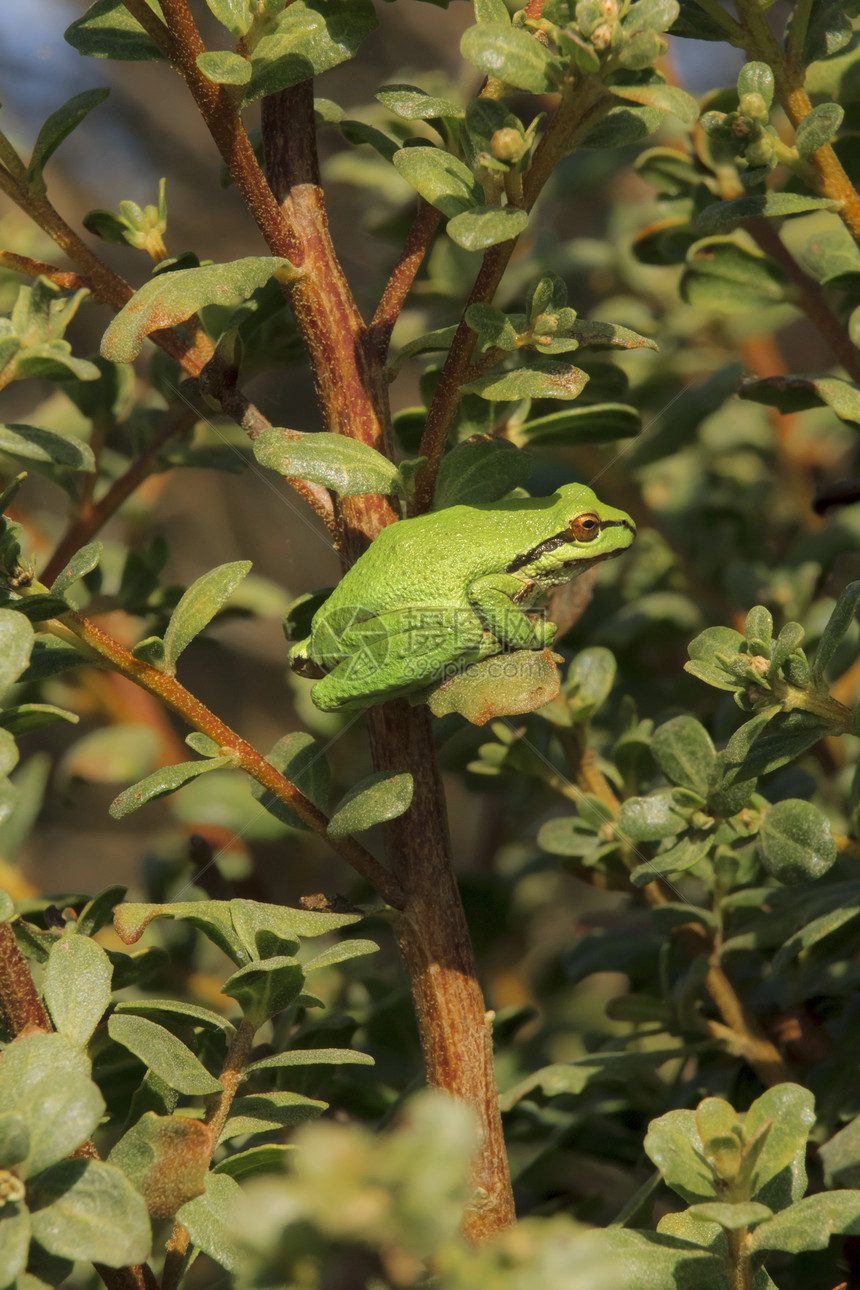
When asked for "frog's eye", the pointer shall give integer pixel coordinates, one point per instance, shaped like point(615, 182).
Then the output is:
point(585, 528)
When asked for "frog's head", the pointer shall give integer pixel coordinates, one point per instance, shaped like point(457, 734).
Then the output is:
point(582, 532)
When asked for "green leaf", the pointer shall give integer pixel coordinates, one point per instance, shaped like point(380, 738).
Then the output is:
point(208, 1221)
point(107, 30)
point(212, 917)
point(686, 853)
point(276, 929)
point(787, 1113)
point(33, 716)
point(772, 205)
point(372, 800)
point(666, 98)
point(303, 762)
point(59, 126)
point(811, 934)
point(85, 1209)
point(810, 1223)
point(346, 466)
point(756, 78)
point(674, 1145)
point(16, 642)
point(172, 298)
point(265, 988)
point(188, 1013)
point(415, 104)
point(482, 469)
point(549, 379)
point(263, 1112)
point(77, 986)
point(235, 15)
point(163, 782)
point(14, 1243)
point(199, 605)
point(797, 393)
point(596, 423)
point(166, 1158)
point(81, 563)
point(14, 1138)
point(706, 652)
point(685, 753)
point(310, 37)
point(441, 179)
point(512, 55)
point(731, 1216)
point(818, 127)
point(795, 842)
point(648, 819)
point(722, 275)
point(45, 1079)
point(310, 1057)
point(162, 1053)
point(841, 1155)
point(844, 614)
point(224, 67)
point(32, 443)
point(599, 334)
point(268, 1159)
point(485, 226)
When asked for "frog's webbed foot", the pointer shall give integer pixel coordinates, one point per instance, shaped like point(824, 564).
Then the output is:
point(301, 662)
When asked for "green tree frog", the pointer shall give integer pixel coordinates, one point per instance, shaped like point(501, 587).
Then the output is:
point(438, 592)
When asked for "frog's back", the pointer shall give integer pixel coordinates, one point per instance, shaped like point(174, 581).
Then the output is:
point(434, 558)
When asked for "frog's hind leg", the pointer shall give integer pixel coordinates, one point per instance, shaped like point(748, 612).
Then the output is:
point(395, 654)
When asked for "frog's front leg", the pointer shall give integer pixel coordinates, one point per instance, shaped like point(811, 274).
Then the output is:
point(494, 600)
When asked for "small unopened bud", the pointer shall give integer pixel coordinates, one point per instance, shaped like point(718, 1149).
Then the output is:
point(760, 153)
point(507, 144)
point(753, 106)
point(601, 37)
point(610, 10)
point(740, 127)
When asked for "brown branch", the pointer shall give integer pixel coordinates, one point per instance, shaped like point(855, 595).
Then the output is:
point(216, 1117)
point(810, 297)
point(39, 269)
point(761, 43)
point(20, 1002)
point(179, 700)
point(574, 115)
point(399, 285)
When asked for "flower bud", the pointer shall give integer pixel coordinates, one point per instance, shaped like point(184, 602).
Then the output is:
point(753, 106)
point(601, 37)
point(507, 144)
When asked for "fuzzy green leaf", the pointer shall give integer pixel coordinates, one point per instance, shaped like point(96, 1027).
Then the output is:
point(303, 762)
point(731, 1215)
point(199, 605)
point(163, 782)
point(171, 298)
point(674, 1145)
point(685, 753)
point(549, 379)
point(441, 179)
point(77, 986)
point(787, 1113)
point(485, 226)
point(346, 466)
point(648, 819)
point(32, 443)
point(795, 842)
point(264, 988)
point(818, 127)
point(45, 1079)
point(720, 216)
point(482, 469)
point(107, 30)
point(310, 1057)
point(414, 104)
point(263, 1112)
point(310, 37)
point(14, 1243)
point(374, 799)
point(16, 642)
point(81, 563)
point(58, 127)
point(666, 98)
point(594, 423)
point(212, 917)
point(208, 1221)
point(722, 275)
point(510, 54)
point(85, 1209)
point(844, 614)
point(223, 67)
point(162, 1053)
point(797, 393)
point(187, 1013)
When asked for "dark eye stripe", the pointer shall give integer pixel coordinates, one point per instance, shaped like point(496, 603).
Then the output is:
point(553, 543)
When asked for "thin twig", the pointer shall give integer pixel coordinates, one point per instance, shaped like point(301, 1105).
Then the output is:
point(399, 285)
